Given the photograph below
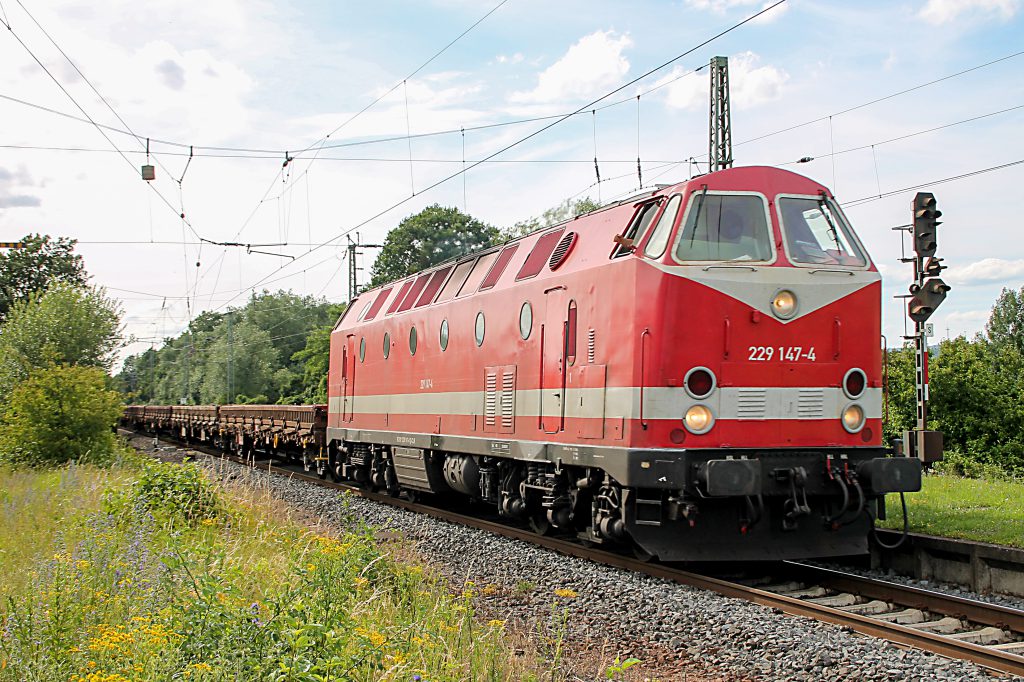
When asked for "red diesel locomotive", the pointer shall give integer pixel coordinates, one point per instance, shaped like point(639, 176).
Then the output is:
point(696, 372)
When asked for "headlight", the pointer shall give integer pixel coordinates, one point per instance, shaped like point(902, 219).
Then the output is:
point(854, 383)
point(699, 382)
point(698, 419)
point(784, 304)
point(853, 418)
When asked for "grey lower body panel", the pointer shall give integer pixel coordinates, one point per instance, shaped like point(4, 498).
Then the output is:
point(662, 468)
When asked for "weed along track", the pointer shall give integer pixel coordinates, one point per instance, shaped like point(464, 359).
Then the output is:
point(987, 634)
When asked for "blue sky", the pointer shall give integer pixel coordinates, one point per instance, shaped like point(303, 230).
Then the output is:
point(237, 73)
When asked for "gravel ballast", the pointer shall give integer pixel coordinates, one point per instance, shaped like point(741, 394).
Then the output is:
point(678, 632)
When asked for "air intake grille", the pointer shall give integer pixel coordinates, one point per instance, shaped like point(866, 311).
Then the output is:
point(561, 251)
point(811, 403)
point(750, 403)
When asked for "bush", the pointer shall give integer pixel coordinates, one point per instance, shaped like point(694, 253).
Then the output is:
point(174, 494)
point(60, 414)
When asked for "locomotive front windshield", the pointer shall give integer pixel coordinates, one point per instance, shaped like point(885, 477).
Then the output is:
point(725, 227)
point(817, 234)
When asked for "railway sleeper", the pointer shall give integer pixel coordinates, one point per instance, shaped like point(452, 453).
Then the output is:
point(985, 636)
point(943, 626)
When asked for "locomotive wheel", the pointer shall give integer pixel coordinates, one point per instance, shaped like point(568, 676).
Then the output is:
point(540, 525)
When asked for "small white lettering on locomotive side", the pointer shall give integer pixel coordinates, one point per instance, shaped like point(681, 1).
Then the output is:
point(426, 383)
point(405, 440)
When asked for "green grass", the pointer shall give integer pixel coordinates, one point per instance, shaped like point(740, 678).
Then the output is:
point(966, 508)
point(100, 582)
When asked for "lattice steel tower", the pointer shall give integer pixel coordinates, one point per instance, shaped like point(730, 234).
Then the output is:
point(720, 141)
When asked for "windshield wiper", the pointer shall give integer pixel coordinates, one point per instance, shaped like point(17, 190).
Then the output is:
point(696, 218)
point(831, 226)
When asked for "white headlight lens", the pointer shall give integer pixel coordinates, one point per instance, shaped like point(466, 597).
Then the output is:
point(784, 304)
point(853, 418)
point(699, 419)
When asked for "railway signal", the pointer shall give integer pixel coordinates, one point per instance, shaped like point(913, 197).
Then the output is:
point(926, 294)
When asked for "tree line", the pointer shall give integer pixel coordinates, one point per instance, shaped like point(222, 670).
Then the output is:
point(59, 337)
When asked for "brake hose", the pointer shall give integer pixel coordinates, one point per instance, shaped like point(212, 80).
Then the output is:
point(906, 528)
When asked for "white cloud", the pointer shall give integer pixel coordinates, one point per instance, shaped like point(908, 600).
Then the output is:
point(944, 11)
point(510, 59)
point(723, 6)
point(985, 271)
point(12, 194)
point(749, 84)
point(592, 64)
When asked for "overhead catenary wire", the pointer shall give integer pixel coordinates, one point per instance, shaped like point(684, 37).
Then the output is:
point(533, 134)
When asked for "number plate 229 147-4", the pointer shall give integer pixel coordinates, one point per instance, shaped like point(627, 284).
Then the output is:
point(781, 354)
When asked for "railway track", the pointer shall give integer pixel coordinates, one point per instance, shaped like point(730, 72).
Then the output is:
point(987, 634)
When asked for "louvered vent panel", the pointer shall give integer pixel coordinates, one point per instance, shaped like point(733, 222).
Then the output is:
point(750, 403)
point(562, 250)
point(490, 400)
point(811, 403)
point(590, 346)
point(508, 400)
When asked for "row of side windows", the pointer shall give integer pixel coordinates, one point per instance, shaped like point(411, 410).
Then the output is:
point(479, 273)
point(480, 332)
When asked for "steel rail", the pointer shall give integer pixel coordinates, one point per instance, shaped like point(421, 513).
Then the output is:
point(974, 611)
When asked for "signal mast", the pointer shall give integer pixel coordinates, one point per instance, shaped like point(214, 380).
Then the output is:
point(927, 293)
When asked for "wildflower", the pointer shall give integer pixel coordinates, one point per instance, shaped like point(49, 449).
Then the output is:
point(205, 667)
point(566, 593)
point(81, 564)
point(376, 638)
point(496, 623)
point(361, 582)
point(490, 588)
point(310, 567)
point(208, 522)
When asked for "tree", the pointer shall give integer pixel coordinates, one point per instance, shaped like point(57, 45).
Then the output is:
point(251, 359)
point(64, 325)
point(427, 238)
point(315, 359)
point(60, 413)
point(40, 263)
point(564, 211)
point(1006, 322)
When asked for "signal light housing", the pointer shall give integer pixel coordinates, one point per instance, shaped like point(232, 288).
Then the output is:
point(926, 222)
point(926, 299)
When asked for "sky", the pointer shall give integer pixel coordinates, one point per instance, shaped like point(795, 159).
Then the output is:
point(887, 98)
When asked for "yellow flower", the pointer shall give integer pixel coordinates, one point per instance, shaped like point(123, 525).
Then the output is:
point(376, 638)
point(490, 588)
point(496, 623)
point(566, 593)
point(208, 522)
point(361, 582)
point(81, 564)
point(202, 666)
point(310, 567)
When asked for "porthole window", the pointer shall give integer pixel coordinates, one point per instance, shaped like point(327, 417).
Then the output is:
point(412, 341)
point(480, 328)
point(362, 349)
point(387, 345)
point(525, 320)
point(444, 335)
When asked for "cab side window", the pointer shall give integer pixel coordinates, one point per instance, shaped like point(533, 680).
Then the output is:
point(636, 230)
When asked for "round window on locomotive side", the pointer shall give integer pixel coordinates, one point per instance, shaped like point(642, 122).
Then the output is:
point(362, 349)
point(412, 341)
point(525, 320)
point(444, 335)
point(387, 345)
point(480, 328)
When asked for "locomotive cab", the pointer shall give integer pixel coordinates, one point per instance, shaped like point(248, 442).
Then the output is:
point(768, 350)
